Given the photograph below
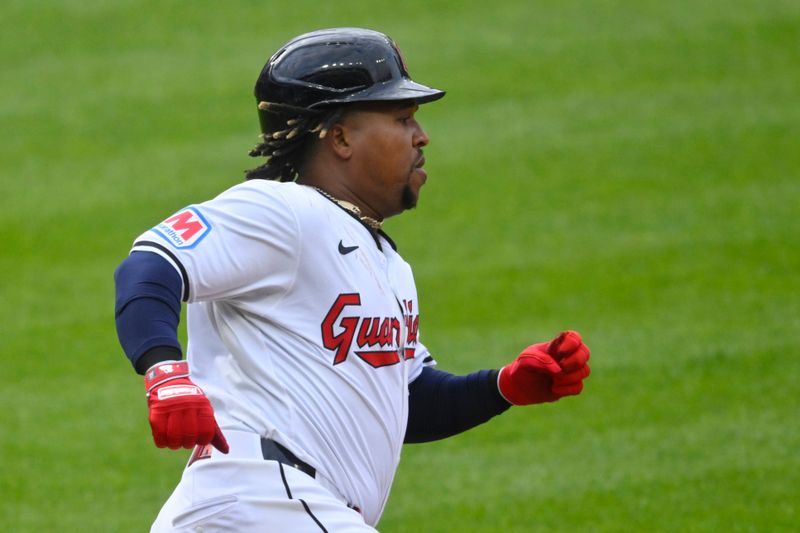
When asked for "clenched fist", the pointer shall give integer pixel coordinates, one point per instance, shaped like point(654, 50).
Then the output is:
point(180, 414)
point(545, 372)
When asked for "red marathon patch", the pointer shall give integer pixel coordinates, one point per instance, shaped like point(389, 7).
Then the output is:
point(184, 229)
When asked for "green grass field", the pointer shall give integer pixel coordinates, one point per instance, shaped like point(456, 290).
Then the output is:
point(621, 168)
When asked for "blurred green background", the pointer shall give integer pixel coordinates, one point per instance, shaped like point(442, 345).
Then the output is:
point(627, 169)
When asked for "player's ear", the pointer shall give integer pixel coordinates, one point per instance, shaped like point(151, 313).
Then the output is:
point(339, 138)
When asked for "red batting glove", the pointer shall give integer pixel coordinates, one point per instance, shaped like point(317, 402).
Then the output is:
point(180, 414)
point(547, 371)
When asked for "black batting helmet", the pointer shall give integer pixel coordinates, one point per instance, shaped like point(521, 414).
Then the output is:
point(333, 67)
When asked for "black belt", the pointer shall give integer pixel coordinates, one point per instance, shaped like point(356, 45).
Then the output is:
point(272, 451)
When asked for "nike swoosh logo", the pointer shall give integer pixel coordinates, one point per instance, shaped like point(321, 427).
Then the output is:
point(344, 250)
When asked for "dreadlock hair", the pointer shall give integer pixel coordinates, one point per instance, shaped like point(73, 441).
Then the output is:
point(285, 148)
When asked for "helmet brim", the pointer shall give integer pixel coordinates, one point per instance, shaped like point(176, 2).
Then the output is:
point(395, 90)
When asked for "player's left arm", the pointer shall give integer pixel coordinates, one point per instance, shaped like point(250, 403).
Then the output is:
point(443, 404)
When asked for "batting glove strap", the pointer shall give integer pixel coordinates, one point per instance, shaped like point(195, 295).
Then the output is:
point(500, 389)
point(163, 372)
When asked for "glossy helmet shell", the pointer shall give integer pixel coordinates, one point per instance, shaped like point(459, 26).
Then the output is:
point(334, 67)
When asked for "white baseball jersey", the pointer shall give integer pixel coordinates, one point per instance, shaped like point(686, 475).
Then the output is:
point(302, 328)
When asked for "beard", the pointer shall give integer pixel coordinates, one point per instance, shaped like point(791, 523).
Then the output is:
point(409, 199)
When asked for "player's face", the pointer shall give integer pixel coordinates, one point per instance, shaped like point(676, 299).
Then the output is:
point(387, 144)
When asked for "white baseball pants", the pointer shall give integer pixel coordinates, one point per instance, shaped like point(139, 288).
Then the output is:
point(241, 492)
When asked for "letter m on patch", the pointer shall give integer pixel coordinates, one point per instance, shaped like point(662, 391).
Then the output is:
point(185, 229)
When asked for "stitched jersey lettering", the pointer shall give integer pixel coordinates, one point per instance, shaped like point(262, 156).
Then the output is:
point(377, 339)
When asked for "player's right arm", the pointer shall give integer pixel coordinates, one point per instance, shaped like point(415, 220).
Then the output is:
point(240, 242)
point(147, 311)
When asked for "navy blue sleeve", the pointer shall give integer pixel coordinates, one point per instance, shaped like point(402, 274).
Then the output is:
point(442, 404)
point(148, 309)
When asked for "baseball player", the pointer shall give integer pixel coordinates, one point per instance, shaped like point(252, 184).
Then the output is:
point(305, 372)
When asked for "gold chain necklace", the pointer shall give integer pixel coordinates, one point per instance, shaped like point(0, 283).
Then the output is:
point(353, 209)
